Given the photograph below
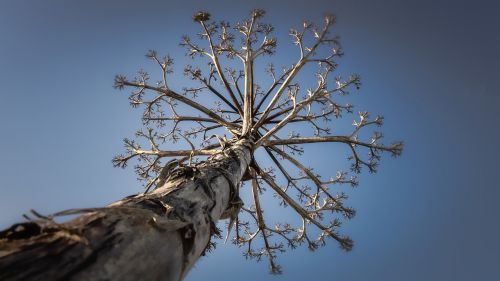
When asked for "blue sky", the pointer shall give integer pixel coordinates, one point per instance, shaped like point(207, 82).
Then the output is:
point(430, 67)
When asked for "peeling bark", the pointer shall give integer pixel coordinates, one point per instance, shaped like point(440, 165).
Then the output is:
point(153, 236)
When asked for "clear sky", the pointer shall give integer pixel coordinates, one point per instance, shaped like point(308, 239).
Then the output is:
point(430, 67)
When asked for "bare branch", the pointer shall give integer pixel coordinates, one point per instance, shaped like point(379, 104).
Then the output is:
point(287, 175)
point(297, 107)
point(234, 81)
point(337, 204)
point(165, 153)
point(275, 269)
point(336, 108)
point(215, 60)
point(180, 119)
point(345, 242)
point(395, 149)
point(276, 82)
point(120, 81)
point(195, 74)
point(295, 69)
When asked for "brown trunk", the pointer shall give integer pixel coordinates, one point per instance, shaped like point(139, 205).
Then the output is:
point(154, 236)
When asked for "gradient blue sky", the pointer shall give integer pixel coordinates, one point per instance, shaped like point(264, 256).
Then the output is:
point(430, 67)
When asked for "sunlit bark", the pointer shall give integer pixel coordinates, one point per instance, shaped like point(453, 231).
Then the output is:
point(153, 236)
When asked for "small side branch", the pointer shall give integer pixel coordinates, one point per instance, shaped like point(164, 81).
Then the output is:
point(120, 82)
point(195, 74)
point(297, 107)
point(395, 149)
point(320, 39)
point(215, 60)
point(274, 268)
point(337, 204)
point(345, 242)
point(120, 160)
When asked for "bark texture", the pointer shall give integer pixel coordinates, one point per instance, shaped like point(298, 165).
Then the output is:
point(153, 236)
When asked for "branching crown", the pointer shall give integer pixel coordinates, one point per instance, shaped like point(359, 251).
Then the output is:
point(245, 109)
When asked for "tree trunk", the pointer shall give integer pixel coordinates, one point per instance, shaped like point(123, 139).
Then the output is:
point(153, 236)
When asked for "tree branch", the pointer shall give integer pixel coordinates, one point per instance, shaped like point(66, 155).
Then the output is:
point(297, 107)
point(395, 149)
point(197, 75)
point(337, 204)
point(275, 269)
point(120, 82)
point(215, 60)
point(345, 242)
point(296, 68)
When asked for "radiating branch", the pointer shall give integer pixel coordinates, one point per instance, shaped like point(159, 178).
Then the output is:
point(337, 204)
point(180, 119)
point(395, 149)
point(196, 75)
point(336, 108)
point(121, 81)
point(215, 60)
point(274, 268)
point(295, 69)
point(297, 107)
point(345, 242)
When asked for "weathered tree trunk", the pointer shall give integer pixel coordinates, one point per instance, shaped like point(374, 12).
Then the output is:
point(153, 236)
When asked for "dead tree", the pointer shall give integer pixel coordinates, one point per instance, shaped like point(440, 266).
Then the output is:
point(160, 233)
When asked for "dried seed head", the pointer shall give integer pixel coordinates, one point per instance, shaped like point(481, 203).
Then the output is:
point(329, 19)
point(257, 13)
point(201, 16)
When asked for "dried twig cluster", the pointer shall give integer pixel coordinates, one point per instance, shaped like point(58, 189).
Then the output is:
point(244, 109)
